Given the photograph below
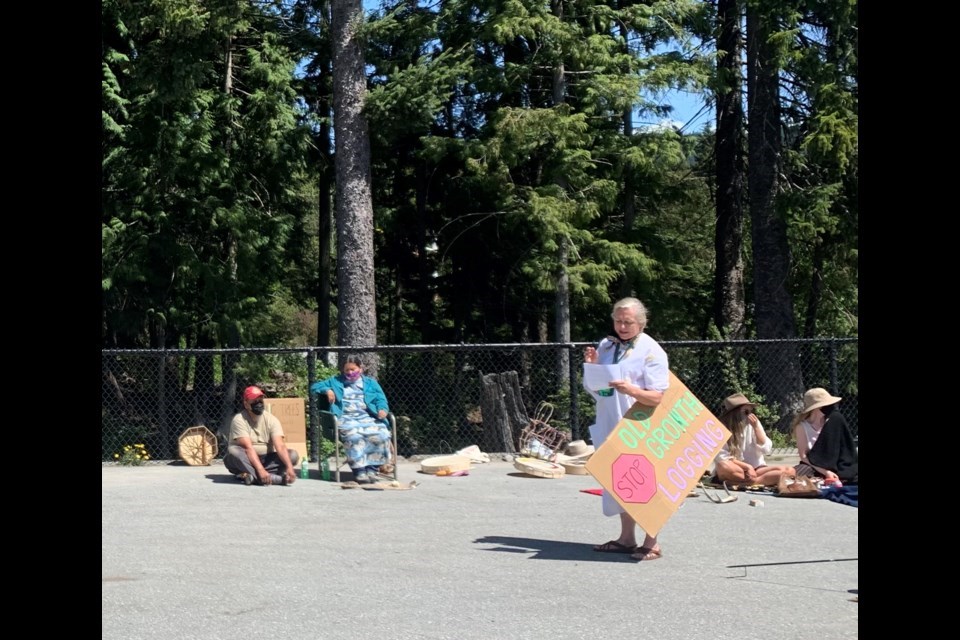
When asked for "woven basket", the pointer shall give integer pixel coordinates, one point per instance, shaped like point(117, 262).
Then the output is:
point(445, 464)
point(539, 468)
point(538, 439)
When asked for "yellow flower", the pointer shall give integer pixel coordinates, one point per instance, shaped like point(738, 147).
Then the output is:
point(134, 455)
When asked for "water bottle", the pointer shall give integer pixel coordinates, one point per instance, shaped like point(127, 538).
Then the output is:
point(325, 468)
point(304, 469)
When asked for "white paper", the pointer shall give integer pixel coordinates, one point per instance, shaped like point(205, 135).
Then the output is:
point(598, 376)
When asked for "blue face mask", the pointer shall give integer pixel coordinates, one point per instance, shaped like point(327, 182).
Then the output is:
point(353, 376)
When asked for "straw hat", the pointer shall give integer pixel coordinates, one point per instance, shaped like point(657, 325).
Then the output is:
point(578, 452)
point(579, 448)
point(573, 466)
point(816, 398)
point(735, 401)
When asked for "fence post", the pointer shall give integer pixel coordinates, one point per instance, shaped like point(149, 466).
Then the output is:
point(834, 375)
point(166, 450)
point(574, 396)
point(313, 437)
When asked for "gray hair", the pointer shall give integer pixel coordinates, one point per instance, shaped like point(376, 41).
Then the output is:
point(639, 311)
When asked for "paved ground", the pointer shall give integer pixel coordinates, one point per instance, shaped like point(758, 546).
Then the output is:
point(188, 552)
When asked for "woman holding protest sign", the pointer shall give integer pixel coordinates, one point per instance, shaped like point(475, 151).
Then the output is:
point(645, 376)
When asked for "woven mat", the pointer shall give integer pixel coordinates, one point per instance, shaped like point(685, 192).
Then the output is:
point(380, 486)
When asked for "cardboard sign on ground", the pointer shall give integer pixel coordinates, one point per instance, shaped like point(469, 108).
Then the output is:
point(650, 462)
point(292, 414)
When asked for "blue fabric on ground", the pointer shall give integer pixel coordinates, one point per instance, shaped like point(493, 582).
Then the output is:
point(847, 494)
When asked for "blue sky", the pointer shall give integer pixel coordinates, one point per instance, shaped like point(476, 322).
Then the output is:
point(689, 115)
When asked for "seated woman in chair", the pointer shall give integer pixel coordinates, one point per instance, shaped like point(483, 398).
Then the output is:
point(361, 409)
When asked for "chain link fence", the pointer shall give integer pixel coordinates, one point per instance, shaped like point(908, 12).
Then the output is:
point(150, 397)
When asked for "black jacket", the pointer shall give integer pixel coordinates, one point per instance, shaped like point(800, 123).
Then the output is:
point(835, 449)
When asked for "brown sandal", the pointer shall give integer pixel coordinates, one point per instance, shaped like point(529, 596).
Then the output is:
point(614, 547)
point(645, 553)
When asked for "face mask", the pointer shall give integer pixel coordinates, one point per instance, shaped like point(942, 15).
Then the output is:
point(353, 376)
point(258, 407)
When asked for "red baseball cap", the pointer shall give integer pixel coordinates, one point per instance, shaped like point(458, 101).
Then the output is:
point(252, 393)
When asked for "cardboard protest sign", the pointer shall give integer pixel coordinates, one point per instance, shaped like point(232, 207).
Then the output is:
point(291, 412)
point(651, 461)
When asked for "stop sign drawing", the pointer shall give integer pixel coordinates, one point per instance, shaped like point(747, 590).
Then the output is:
point(634, 478)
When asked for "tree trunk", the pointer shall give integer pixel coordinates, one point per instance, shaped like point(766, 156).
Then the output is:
point(562, 317)
point(629, 206)
point(562, 276)
point(230, 328)
point(325, 213)
point(504, 415)
point(780, 378)
point(426, 289)
point(729, 303)
point(356, 295)
point(816, 286)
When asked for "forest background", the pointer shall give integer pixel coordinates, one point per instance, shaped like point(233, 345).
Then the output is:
point(512, 197)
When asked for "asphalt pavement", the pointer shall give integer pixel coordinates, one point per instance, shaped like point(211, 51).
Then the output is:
point(189, 552)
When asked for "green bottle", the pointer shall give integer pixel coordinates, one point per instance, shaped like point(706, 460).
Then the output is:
point(304, 469)
point(325, 468)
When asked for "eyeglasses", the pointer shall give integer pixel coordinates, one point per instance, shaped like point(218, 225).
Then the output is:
point(624, 323)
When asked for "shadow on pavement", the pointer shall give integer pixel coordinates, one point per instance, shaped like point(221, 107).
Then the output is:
point(222, 478)
point(552, 549)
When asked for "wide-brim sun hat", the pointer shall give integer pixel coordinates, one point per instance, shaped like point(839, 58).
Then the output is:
point(734, 402)
point(579, 449)
point(575, 459)
point(818, 397)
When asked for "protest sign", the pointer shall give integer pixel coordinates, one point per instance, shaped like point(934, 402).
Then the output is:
point(655, 456)
point(291, 413)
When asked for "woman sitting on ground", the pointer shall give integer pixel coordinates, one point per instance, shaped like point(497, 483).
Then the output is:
point(824, 441)
point(741, 459)
point(361, 409)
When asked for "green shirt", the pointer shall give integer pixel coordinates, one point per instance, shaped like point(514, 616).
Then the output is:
point(260, 432)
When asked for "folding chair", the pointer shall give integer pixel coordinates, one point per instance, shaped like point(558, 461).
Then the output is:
point(328, 427)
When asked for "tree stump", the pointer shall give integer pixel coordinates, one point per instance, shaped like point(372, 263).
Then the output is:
point(502, 411)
